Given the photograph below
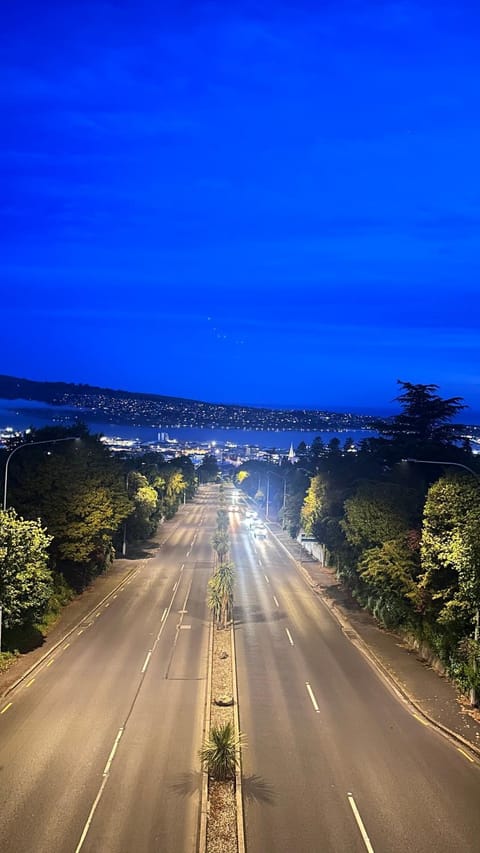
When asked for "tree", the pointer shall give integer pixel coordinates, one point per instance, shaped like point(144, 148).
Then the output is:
point(208, 471)
point(425, 422)
point(220, 593)
point(26, 582)
point(375, 514)
point(313, 504)
point(450, 549)
point(450, 579)
point(389, 571)
point(221, 544)
point(78, 492)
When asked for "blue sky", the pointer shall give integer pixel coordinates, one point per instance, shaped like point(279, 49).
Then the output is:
point(267, 203)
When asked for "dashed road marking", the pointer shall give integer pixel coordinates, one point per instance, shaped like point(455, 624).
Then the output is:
point(312, 697)
point(50, 662)
point(66, 645)
point(289, 637)
point(266, 578)
point(149, 655)
point(6, 707)
point(30, 683)
point(276, 600)
point(360, 823)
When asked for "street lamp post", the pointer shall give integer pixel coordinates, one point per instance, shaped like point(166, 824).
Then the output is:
point(476, 635)
point(284, 494)
point(5, 486)
point(28, 444)
point(124, 543)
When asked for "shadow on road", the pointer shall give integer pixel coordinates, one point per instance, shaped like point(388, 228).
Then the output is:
point(256, 789)
point(243, 616)
point(187, 784)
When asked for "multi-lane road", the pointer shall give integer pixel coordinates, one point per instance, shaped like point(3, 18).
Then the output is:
point(336, 762)
point(99, 748)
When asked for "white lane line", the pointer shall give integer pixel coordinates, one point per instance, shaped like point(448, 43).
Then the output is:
point(6, 707)
point(312, 697)
point(90, 816)
point(182, 567)
point(146, 661)
point(80, 631)
point(112, 753)
point(107, 604)
point(360, 825)
point(175, 586)
point(259, 562)
point(163, 615)
point(289, 637)
point(266, 578)
point(276, 601)
point(115, 596)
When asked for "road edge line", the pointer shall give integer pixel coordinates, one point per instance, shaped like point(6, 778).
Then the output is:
point(238, 749)
point(370, 655)
point(68, 634)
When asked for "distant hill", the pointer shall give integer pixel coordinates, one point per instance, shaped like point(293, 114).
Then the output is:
point(131, 407)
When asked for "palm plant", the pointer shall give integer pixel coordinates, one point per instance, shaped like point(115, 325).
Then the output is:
point(221, 544)
point(225, 577)
point(218, 754)
point(214, 599)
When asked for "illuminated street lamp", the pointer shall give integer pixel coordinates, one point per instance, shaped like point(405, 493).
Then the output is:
point(473, 694)
point(29, 444)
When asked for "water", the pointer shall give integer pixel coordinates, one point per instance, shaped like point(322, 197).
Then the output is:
point(10, 415)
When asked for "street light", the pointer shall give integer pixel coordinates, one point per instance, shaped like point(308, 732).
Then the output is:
point(29, 444)
point(124, 543)
point(284, 494)
point(476, 636)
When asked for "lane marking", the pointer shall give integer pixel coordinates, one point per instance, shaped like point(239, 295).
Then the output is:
point(98, 614)
point(275, 600)
point(112, 753)
point(163, 615)
point(289, 637)
point(30, 682)
point(90, 816)
point(107, 605)
point(50, 662)
point(80, 632)
point(266, 579)
point(182, 567)
point(175, 586)
point(312, 697)
point(360, 824)
point(466, 754)
point(146, 661)
point(115, 596)
point(184, 627)
point(259, 562)
point(66, 645)
point(6, 707)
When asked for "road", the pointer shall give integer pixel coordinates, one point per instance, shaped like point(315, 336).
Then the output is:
point(335, 761)
point(99, 748)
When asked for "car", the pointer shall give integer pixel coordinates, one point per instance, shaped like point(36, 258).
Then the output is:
point(260, 531)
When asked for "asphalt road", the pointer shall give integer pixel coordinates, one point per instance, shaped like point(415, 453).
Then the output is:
point(99, 748)
point(335, 762)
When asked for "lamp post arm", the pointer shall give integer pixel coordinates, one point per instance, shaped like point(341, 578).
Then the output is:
point(438, 462)
point(19, 447)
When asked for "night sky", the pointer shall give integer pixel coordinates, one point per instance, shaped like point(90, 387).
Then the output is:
point(245, 202)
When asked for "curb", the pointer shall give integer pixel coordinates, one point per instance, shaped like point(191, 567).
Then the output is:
point(373, 659)
point(68, 634)
point(238, 751)
point(202, 841)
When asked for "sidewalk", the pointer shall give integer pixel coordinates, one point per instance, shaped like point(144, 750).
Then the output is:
point(78, 609)
point(434, 695)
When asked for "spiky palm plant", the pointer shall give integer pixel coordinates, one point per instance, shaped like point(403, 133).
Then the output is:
point(218, 754)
